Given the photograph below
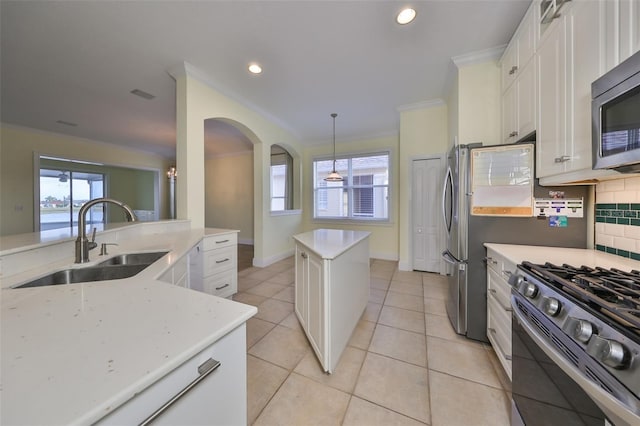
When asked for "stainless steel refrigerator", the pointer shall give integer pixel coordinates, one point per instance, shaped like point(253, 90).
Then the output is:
point(466, 234)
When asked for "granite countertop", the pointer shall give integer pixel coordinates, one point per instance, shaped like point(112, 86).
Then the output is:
point(559, 255)
point(73, 353)
point(330, 243)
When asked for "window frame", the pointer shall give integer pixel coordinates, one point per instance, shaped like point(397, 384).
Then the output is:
point(351, 218)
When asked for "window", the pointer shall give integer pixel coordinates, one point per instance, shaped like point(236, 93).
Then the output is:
point(362, 195)
point(281, 179)
point(63, 192)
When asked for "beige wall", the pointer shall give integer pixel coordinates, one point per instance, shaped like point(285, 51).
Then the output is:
point(479, 101)
point(198, 101)
point(17, 148)
point(229, 194)
point(383, 242)
point(423, 134)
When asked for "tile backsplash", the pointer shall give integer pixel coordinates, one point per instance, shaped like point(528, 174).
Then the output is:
point(618, 217)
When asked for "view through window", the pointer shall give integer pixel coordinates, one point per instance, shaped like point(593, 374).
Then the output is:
point(63, 192)
point(362, 195)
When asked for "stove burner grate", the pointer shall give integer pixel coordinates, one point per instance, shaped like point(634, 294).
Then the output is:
point(612, 292)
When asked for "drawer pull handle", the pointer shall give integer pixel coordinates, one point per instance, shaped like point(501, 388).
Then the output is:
point(304, 255)
point(507, 273)
point(493, 293)
point(206, 368)
point(220, 288)
point(223, 260)
point(222, 241)
point(507, 357)
point(562, 159)
point(491, 260)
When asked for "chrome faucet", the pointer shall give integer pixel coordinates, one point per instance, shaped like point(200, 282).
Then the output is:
point(82, 242)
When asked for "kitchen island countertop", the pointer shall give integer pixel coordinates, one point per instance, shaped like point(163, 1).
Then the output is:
point(73, 353)
point(330, 243)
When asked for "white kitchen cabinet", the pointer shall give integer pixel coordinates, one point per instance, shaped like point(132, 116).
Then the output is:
point(220, 264)
point(569, 58)
point(520, 50)
point(499, 307)
point(178, 274)
point(518, 106)
point(622, 30)
point(331, 288)
point(518, 81)
point(220, 398)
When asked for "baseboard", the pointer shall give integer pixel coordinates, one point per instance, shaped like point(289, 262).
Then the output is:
point(264, 262)
point(384, 256)
point(246, 241)
point(404, 266)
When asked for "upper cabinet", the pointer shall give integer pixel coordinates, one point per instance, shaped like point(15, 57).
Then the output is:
point(572, 44)
point(518, 82)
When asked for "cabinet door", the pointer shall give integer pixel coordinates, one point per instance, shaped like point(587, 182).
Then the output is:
point(628, 26)
point(301, 285)
point(509, 64)
point(526, 38)
point(585, 63)
point(510, 114)
point(551, 135)
point(526, 100)
point(316, 315)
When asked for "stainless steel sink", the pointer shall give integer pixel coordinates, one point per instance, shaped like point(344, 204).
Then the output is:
point(117, 267)
point(80, 275)
point(134, 259)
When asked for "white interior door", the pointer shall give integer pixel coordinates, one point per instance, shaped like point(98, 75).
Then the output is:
point(426, 215)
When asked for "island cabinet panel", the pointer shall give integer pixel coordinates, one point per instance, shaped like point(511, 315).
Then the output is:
point(331, 289)
point(219, 398)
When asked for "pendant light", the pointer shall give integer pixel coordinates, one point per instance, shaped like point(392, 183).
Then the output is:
point(334, 176)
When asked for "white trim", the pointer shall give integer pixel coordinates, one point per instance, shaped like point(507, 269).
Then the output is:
point(432, 103)
point(294, 212)
point(384, 256)
point(264, 262)
point(480, 56)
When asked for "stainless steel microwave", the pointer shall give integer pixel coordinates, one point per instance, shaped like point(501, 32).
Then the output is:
point(616, 118)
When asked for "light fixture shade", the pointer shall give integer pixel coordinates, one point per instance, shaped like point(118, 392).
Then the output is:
point(334, 177)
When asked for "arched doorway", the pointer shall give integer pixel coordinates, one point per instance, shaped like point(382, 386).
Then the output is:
point(229, 182)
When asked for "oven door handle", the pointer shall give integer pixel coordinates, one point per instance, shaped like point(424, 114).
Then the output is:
point(599, 395)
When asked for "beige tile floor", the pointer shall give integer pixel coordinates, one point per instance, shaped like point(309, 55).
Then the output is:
point(404, 364)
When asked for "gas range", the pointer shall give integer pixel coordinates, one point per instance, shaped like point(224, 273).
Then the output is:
point(590, 318)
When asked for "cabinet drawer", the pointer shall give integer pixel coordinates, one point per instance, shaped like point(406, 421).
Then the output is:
point(218, 241)
point(223, 284)
point(219, 260)
point(498, 288)
point(494, 261)
point(499, 333)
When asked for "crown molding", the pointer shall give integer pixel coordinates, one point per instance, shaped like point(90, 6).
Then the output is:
point(481, 56)
point(432, 103)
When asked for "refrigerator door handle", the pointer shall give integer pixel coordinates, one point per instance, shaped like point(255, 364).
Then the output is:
point(448, 178)
point(450, 258)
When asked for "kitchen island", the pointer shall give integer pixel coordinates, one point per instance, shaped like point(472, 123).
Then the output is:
point(81, 353)
point(331, 288)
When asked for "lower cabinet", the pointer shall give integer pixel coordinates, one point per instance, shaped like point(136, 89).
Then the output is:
point(499, 307)
point(210, 388)
point(178, 274)
point(213, 264)
point(330, 296)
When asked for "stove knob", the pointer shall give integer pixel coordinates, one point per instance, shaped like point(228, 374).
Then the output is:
point(552, 306)
point(583, 330)
point(530, 290)
point(614, 354)
point(516, 280)
point(610, 352)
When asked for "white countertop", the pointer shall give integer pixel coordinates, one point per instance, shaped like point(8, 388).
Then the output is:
point(72, 353)
point(330, 243)
point(559, 255)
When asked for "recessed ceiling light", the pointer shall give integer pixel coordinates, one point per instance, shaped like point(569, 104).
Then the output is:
point(142, 94)
point(255, 68)
point(405, 16)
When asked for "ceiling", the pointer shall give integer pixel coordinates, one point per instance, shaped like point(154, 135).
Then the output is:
point(77, 62)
